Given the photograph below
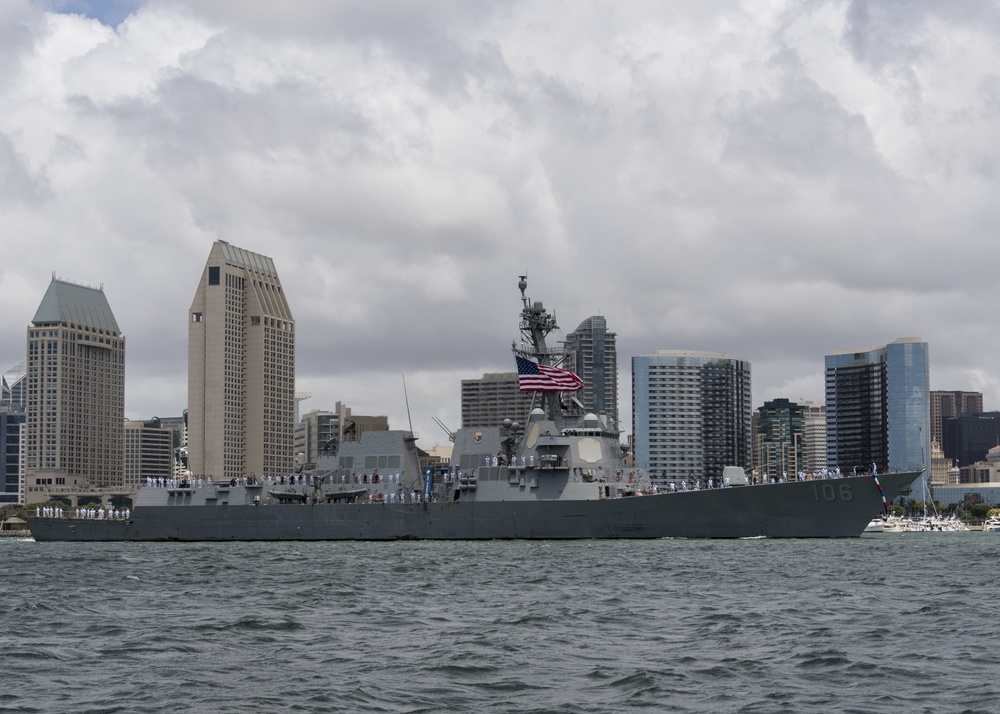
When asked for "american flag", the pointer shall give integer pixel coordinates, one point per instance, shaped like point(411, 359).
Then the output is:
point(534, 377)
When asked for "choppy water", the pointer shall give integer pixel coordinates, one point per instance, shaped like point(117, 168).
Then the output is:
point(884, 623)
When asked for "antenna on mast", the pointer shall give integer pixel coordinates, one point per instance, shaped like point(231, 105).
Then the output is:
point(449, 432)
point(407, 398)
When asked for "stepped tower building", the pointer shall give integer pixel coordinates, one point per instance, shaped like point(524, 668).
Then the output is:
point(241, 369)
point(75, 395)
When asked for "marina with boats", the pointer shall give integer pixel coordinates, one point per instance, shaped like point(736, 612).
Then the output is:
point(918, 524)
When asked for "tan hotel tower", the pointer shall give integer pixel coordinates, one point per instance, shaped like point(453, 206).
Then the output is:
point(73, 432)
point(241, 369)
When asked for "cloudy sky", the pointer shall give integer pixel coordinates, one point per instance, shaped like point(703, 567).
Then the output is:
point(773, 180)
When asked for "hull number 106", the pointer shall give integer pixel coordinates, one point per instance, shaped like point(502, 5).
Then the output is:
point(832, 492)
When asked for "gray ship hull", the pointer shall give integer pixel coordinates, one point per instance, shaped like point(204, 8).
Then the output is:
point(833, 508)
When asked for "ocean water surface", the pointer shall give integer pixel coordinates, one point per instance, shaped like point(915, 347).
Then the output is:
point(883, 623)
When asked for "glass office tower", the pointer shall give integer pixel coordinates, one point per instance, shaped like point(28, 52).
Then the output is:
point(878, 408)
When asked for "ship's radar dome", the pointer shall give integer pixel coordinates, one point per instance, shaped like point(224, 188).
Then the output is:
point(536, 415)
point(590, 421)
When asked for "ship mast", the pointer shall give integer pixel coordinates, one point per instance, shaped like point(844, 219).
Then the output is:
point(536, 324)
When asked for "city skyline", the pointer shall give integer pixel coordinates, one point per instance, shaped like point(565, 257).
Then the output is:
point(781, 193)
point(756, 403)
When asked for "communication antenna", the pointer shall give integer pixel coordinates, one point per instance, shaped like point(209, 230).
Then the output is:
point(449, 432)
point(407, 398)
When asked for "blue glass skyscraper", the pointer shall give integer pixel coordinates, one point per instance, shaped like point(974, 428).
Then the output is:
point(878, 408)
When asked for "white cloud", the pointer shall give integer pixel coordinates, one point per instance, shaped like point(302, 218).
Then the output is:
point(776, 183)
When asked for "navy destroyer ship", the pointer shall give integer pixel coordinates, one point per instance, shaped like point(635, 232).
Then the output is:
point(554, 477)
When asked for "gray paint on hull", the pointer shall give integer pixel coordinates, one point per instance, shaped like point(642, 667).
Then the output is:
point(812, 509)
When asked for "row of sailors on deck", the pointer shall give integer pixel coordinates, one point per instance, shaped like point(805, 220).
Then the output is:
point(515, 461)
point(161, 482)
point(373, 478)
point(392, 496)
point(697, 485)
point(802, 476)
point(91, 514)
point(448, 477)
point(292, 480)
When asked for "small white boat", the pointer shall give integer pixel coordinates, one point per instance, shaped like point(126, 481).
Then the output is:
point(992, 525)
point(895, 524)
point(875, 526)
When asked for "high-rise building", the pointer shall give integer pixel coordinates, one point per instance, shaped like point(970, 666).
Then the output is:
point(177, 425)
point(815, 436)
point(969, 437)
point(13, 398)
point(940, 465)
point(149, 452)
point(691, 413)
point(75, 394)
point(241, 369)
point(590, 352)
point(315, 432)
point(321, 432)
point(780, 439)
point(878, 407)
point(11, 421)
point(945, 405)
point(497, 396)
point(13, 387)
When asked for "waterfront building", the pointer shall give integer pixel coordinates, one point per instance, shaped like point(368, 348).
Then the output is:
point(590, 352)
point(437, 458)
point(321, 432)
point(814, 436)
point(149, 452)
point(13, 387)
point(975, 483)
point(441, 453)
point(945, 405)
point(940, 466)
point(969, 437)
point(13, 398)
point(497, 396)
point(241, 369)
point(878, 407)
point(11, 421)
point(691, 413)
point(75, 394)
point(178, 425)
point(316, 431)
point(993, 465)
point(780, 439)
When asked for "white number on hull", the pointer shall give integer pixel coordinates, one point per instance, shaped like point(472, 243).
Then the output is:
point(829, 492)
